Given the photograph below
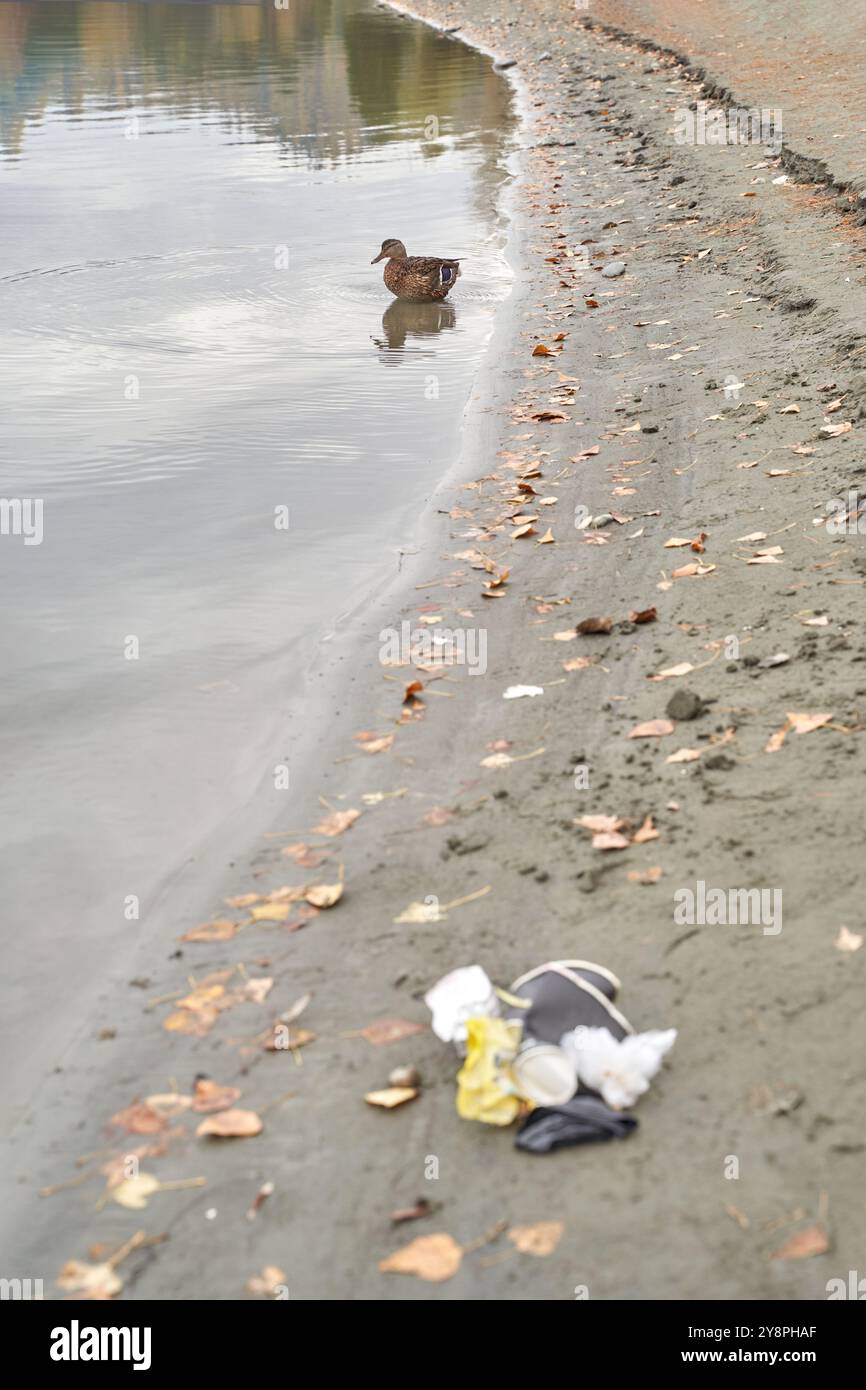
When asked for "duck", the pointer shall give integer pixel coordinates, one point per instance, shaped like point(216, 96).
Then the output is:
point(419, 279)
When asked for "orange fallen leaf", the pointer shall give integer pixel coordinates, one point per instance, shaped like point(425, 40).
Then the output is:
point(599, 824)
point(645, 876)
point(646, 832)
point(684, 755)
point(610, 840)
point(391, 1097)
point(539, 1239)
point(541, 351)
point(652, 728)
point(803, 1245)
point(643, 615)
point(219, 930)
point(434, 1258)
point(209, 1096)
point(338, 821)
point(547, 539)
point(271, 1280)
point(389, 1030)
point(231, 1124)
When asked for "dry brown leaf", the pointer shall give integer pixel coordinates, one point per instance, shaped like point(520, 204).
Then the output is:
point(434, 1258)
point(391, 1097)
point(682, 669)
point(807, 723)
point(652, 728)
point(338, 821)
point(646, 832)
point(645, 876)
point(547, 539)
point(601, 823)
point(388, 1030)
point(231, 1124)
point(684, 755)
point(139, 1118)
point(325, 894)
point(374, 744)
point(610, 840)
point(579, 663)
point(266, 1284)
point(85, 1281)
point(848, 940)
point(539, 1239)
point(803, 1245)
point(830, 431)
point(643, 615)
point(541, 351)
point(209, 1096)
point(219, 930)
point(242, 900)
point(270, 912)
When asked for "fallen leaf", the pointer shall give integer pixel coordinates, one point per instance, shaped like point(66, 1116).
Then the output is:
point(325, 894)
point(830, 431)
point(421, 1208)
point(139, 1118)
point(646, 832)
point(85, 1281)
point(812, 1241)
point(547, 539)
point(848, 940)
point(219, 930)
point(790, 410)
point(684, 755)
point(541, 351)
point(388, 1030)
point(270, 912)
point(652, 728)
point(807, 723)
point(209, 1096)
point(391, 1097)
point(610, 840)
point(540, 1239)
point(434, 1258)
point(268, 1282)
point(601, 823)
point(645, 876)
point(579, 663)
point(339, 821)
point(231, 1124)
point(242, 900)
point(643, 615)
point(682, 669)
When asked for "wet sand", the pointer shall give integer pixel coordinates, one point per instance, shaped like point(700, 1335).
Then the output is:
point(731, 309)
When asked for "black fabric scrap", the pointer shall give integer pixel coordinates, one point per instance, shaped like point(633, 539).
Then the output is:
point(581, 1120)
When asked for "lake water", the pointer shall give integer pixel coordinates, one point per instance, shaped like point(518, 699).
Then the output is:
point(193, 348)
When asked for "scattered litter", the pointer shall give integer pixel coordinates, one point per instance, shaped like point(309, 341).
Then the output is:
point(553, 1043)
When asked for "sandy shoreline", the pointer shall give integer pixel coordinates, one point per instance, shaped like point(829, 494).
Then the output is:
point(714, 288)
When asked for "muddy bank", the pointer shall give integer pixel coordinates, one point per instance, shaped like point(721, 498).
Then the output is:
point(671, 391)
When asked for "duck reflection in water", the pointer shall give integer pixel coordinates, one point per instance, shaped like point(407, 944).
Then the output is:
point(402, 320)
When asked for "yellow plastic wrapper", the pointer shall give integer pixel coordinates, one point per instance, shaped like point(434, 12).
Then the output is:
point(483, 1080)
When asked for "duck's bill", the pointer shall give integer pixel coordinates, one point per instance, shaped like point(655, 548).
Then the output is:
point(377, 258)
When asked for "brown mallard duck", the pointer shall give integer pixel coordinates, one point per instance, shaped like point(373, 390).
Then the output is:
point(421, 279)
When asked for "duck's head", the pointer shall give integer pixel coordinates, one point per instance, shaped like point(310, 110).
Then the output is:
point(392, 249)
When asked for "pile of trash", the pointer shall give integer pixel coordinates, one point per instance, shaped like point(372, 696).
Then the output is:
point(553, 1049)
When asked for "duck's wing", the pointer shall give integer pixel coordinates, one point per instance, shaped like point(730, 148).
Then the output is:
point(432, 271)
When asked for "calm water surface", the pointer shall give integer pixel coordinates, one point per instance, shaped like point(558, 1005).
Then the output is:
point(191, 335)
